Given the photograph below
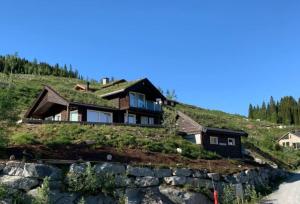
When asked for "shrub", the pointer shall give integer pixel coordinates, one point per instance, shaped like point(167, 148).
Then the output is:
point(43, 193)
point(22, 138)
point(3, 191)
point(91, 183)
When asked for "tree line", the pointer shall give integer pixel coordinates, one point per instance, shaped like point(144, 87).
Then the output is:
point(13, 64)
point(285, 111)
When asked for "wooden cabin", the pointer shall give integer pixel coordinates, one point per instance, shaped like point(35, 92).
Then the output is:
point(134, 102)
point(224, 142)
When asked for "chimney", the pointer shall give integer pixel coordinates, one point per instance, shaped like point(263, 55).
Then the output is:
point(87, 86)
point(104, 80)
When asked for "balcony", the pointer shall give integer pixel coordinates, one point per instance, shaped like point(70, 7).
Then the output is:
point(146, 105)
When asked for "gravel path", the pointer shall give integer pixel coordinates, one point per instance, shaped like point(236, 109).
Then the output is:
point(287, 193)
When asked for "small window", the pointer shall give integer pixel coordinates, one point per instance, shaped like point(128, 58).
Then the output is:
point(151, 121)
point(231, 141)
point(74, 115)
point(294, 145)
point(287, 144)
point(214, 140)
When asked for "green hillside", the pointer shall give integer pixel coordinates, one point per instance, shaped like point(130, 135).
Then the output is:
point(25, 88)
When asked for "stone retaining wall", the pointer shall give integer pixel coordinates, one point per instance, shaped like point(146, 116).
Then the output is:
point(133, 184)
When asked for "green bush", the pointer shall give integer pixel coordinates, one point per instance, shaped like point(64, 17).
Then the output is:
point(22, 138)
point(43, 193)
point(91, 183)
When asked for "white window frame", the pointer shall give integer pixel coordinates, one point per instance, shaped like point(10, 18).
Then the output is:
point(126, 118)
point(98, 119)
point(57, 117)
point(231, 141)
point(213, 140)
point(74, 112)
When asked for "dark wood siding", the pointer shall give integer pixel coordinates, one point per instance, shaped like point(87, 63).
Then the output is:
point(222, 149)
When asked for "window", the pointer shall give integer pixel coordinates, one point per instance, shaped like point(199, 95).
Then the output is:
point(74, 115)
point(57, 117)
point(131, 119)
point(231, 141)
point(49, 118)
point(294, 145)
point(99, 116)
point(151, 121)
point(214, 140)
point(287, 144)
point(137, 100)
point(144, 120)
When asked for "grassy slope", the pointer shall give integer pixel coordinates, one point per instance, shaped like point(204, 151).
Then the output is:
point(262, 134)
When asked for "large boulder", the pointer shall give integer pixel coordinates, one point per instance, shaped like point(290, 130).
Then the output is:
point(77, 168)
point(214, 176)
point(99, 199)
point(41, 171)
point(146, 181)
point(112, 168)
point(179, 196)
point(123, 181)
point(14, 168)
point(161, 173)
point(133, 196)
point(175, 180)
point(139, 171)
point(18, 182)
point(182, 172)
point(56, 196)
point(200, 174)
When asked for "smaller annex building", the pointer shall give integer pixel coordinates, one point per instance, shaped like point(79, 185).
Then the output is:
point(290, 139)
point(224, 142)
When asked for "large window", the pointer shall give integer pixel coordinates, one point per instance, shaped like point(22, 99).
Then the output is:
point(144, 120)
point(214, 140)
point(99, 116)
point(137, 100)
point(74, 115)
point(131, 118)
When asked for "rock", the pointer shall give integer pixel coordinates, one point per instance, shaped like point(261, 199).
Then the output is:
point(139, 171)
point(179, 196)
point(199, 183)
point(18, 182)
point(99, 199)
point(153, 196)
point(161, 173)
point(109, 157)
point(12, 157)
point(123, 181)
point(41, 171)
point(13, 168)
point(241, 177)
point(214, 176)
point(2, 166)
point(111, 168)
point(6, 201)
point(199, 174)
point(55, 185)
point(57, 197)
point(146, 181)
point(77, 168)
point(175, 180)
point(133, 196)
point(182, 172)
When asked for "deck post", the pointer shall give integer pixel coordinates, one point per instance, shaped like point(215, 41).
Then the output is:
point(68, 113)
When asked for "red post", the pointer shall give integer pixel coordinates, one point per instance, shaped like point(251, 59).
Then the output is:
point(216, 197)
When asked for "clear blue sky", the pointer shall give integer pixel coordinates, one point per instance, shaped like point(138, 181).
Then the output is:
point(216, 54)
